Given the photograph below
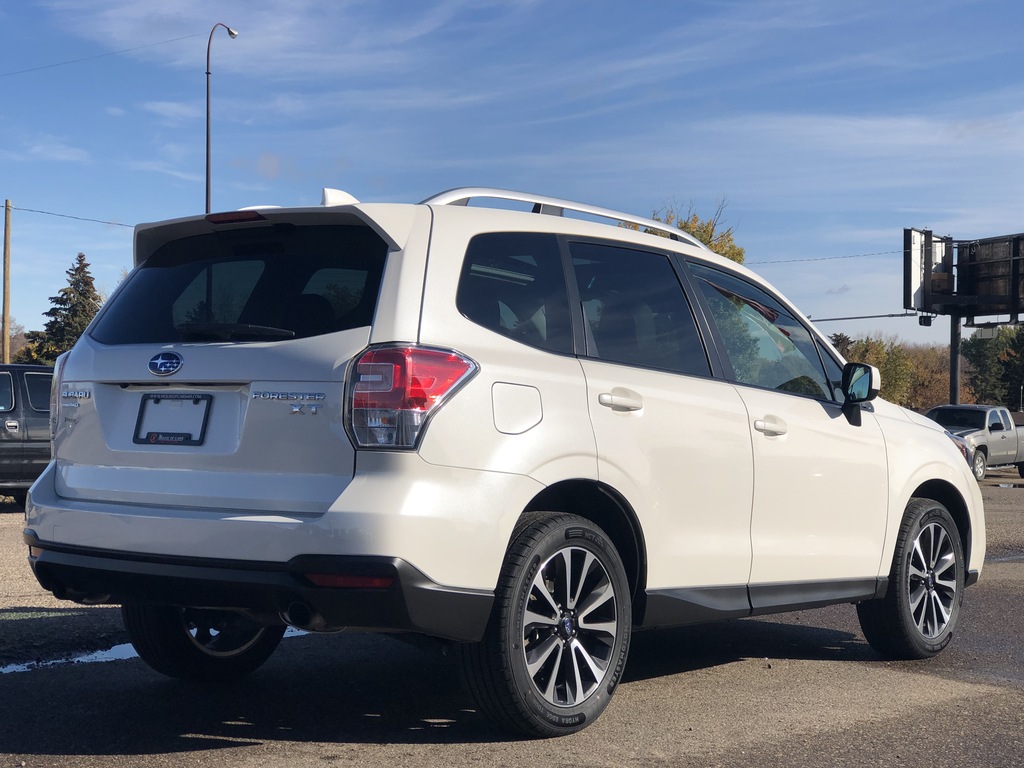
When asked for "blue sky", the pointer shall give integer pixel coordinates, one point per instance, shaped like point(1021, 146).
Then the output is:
point(827, 128)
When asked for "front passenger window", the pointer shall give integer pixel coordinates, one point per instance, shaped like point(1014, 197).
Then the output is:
point(765, 344)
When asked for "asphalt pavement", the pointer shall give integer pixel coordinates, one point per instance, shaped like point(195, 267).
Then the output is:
point(798, 689)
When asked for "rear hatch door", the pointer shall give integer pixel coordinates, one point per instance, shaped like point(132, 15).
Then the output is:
point(214, 376)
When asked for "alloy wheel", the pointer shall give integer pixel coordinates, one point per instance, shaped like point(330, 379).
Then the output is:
point(570, 627)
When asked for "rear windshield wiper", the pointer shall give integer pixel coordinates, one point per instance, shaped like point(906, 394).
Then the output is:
point(231, 332)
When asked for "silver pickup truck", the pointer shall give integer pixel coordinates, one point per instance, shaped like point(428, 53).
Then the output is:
point(990, 431)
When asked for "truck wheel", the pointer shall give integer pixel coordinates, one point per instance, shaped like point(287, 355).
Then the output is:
point(979, 465)
point(1020, 469)
point(20, 497)
point(558, 636)
point(918, 615)
point(194, 644)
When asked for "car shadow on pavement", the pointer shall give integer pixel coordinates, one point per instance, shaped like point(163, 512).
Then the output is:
point(657, 653)
point(34, 634)
point(343, 690)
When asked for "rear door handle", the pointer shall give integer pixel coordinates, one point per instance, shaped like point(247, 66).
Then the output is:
point(771, 426)
point(620, 399)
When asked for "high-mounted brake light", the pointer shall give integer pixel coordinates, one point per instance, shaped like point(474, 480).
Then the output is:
point(394, 390)
point(235, 217)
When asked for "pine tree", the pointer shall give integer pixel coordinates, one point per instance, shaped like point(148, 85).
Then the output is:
point(987, 358)
point(72, 309)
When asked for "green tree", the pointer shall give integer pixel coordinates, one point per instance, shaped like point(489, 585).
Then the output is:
point(988, 359)
point(930, 384)
point(1011, 362)
point(842, 343)
point(708, 231)
point(71, 310)
point(892, 361)
point(17, 335)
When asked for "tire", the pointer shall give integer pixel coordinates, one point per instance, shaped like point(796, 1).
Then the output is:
point(918, 615)
point(20, 498)
point(194, 644)
point(1020, 469)
point(556, 643)
point(979, 465)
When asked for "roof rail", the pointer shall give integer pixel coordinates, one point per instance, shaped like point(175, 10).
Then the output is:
point(557, 207)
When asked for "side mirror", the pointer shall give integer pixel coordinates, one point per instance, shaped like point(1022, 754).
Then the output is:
point(861, 383)
point(995, 427)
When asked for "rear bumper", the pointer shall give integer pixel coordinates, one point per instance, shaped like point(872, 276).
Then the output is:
point(269, 591)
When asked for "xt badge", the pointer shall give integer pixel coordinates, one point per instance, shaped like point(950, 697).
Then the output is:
point(304, 408)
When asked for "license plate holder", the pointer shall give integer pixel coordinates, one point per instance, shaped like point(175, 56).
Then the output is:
point(172, 418)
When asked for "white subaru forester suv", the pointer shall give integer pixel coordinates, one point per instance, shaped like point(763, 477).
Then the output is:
point(524, 432)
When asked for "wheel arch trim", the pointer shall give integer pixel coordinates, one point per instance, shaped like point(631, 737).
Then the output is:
point(605, 507)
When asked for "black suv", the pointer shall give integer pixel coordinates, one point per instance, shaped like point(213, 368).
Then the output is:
point(25, 427)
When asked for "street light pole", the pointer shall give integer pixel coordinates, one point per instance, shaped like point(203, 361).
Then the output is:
point(232, 34)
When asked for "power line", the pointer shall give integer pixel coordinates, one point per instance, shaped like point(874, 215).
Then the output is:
point(858, 317)
point(76, 218)
point(97, 56)
point(823, 258)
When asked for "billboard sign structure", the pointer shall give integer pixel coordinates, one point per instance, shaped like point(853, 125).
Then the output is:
point(963, 278)
point(927, 270)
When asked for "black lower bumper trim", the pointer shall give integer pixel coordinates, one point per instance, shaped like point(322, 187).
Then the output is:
point(271, 591)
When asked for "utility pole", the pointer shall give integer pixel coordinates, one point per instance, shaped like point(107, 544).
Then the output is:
point(955, 337)
point(5, 326)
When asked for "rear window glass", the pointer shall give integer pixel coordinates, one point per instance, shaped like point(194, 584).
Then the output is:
point(279, 283)
point(38, 385)
point(956, 419)
point(6, 392)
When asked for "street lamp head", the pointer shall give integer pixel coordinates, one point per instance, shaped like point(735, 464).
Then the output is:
point(232, 33)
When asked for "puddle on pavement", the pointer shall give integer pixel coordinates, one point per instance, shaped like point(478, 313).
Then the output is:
point(117, 653)
point(1009, 485)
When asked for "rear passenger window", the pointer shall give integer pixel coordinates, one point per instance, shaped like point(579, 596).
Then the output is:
point(765, 344)
point(6, 392)
point(513, 284)
point(38, 385)
point(635, 309)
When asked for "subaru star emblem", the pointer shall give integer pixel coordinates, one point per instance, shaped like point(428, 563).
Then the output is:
point(165, 363)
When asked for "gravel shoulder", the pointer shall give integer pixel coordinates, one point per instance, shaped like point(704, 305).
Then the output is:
point(35, 626)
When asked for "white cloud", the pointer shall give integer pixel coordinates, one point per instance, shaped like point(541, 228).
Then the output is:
point(156, 166)
point(172, 111)
point(56, 149)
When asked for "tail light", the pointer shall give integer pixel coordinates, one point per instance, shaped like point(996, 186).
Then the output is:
point(55, 387)
point(394, 390)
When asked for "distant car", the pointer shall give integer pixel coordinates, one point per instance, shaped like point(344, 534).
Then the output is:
point(525, 432)
point(989, 429)
point(24, 427)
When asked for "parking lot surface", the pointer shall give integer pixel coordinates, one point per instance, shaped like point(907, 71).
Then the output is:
point(800, 689)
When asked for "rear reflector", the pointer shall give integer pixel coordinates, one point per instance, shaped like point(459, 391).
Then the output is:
point(350, 582)
point(393, 391)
